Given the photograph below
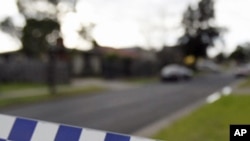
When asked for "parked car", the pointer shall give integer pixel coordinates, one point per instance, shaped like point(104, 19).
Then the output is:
point(243, 71)
point(208, 66)
point(175, 72)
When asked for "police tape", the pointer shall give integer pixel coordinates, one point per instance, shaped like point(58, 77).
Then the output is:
point(24, 129)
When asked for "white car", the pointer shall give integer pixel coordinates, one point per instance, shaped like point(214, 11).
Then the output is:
point(208, 66)
point(175, 72)
point(243, 71)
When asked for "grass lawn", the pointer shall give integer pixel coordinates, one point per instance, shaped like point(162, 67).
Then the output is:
point(19, 86)
point(210, 122)
point(47, 96)
point(245, 84)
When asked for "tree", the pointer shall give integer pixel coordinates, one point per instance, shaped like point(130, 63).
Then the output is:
point(40, 25)
point(7, 26)
point(241, 54)
point(35, 36)
point(199, 31)
point(220, 58)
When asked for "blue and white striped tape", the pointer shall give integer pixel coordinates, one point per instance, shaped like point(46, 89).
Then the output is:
point(23, 129)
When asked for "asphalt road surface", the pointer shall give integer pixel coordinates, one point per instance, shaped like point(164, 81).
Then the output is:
point(124, 111)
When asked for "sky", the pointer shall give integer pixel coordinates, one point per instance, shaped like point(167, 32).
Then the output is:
point(127, 23)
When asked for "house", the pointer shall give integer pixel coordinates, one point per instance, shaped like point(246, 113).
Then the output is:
point(170, 54)
point(116, 62)
point(85, 63)
point(112, 62)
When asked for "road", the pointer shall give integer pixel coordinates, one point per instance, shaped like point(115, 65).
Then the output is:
point(124, 111)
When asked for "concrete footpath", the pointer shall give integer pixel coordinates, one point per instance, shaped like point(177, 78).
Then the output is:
point(75, 84)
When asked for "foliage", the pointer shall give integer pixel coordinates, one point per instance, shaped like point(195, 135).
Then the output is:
point(199, 32)
point(35, 35)
point(238, 55)
point(111, 57)
point(220, 57)
point(241, 54)
point(7, 26)
point(41, 23)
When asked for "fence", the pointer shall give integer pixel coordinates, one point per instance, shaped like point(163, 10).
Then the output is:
point(31, 70)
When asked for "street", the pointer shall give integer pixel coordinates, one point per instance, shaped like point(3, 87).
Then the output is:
point(124, 111)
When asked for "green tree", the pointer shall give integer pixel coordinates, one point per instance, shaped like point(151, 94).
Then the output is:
point(199, 31)
point(40, 26)
point(241, 54)
point(220, 58)
point(35, 36)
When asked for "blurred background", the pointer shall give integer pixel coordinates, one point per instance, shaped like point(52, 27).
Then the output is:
point(118, 39)
point(60, 48)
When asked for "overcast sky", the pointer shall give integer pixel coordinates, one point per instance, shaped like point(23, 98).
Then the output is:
point(124, 23)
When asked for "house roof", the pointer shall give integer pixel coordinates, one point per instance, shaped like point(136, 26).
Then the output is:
point(121, 52)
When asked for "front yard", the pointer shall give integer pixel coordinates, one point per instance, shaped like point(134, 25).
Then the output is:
point(211, 122)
